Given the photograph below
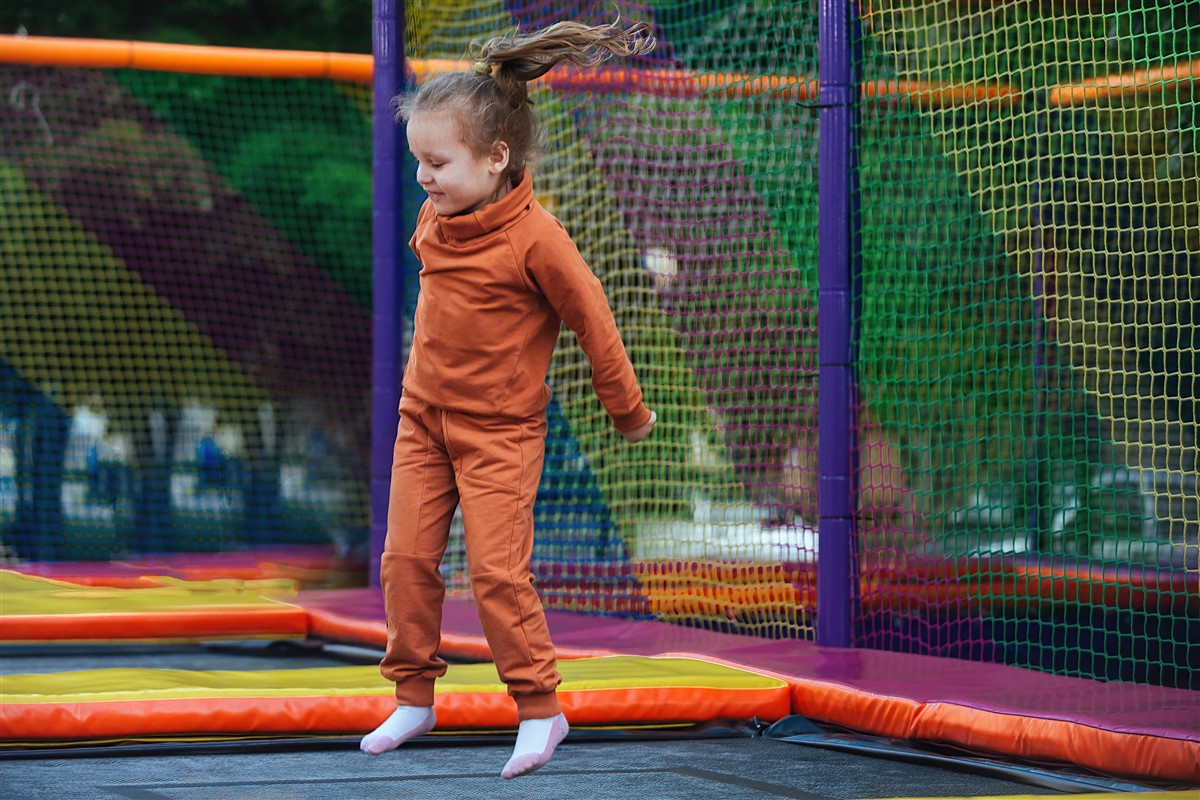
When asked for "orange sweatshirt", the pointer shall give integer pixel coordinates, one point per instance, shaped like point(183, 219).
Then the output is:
point(495, 285)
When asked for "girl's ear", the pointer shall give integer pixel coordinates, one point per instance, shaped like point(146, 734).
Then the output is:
point(498, 158)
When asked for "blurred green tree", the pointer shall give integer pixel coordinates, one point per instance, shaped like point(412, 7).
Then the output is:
point(325, 25)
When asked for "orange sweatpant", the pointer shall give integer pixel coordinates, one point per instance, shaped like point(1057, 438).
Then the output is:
point(492, 467)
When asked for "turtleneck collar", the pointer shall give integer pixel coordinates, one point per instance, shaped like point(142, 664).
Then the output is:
point(492, 217)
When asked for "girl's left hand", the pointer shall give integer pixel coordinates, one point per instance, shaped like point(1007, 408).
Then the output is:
point(637, 434)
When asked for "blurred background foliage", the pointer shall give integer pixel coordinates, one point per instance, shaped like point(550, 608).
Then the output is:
point(330, 25)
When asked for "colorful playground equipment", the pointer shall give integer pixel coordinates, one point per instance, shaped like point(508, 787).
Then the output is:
point(912, 285)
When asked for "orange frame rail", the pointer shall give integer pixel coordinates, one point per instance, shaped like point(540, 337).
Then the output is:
point(248, 62)
point(1155, 80)
point(244, 62)
point(357, 68)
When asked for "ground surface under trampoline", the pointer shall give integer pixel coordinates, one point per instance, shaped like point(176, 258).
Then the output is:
point(722, 763)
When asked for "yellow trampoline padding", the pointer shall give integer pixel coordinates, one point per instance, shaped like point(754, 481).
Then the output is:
point(36, 609)
point(111, 704)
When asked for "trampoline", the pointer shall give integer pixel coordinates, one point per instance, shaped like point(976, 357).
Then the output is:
point(248, 670)
point(111, 664)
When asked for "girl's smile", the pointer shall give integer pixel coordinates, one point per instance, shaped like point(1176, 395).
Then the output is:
point(456, 179)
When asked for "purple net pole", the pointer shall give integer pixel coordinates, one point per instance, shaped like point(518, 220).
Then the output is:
point(836, 206)
point(387, 309)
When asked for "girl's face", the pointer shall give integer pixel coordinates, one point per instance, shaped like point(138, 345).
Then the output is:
point(456, 179)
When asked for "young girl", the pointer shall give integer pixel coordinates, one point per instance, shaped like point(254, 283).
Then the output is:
point(499, 275)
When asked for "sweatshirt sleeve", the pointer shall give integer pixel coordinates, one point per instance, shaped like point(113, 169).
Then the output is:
point(578, 298)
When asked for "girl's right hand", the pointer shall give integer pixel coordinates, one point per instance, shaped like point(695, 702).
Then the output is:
point(637, 434)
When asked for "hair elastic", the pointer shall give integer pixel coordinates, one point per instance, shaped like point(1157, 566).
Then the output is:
point(483, 67)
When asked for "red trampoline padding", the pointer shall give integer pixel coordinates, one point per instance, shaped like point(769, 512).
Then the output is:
point(103, 705)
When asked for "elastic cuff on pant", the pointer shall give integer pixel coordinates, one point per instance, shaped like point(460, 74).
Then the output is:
point(414, 693)
point(537, 706)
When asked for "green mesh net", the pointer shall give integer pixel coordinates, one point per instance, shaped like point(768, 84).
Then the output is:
point(186, 315)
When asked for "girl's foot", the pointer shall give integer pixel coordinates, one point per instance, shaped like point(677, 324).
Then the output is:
point(536, 740)
point(405, 723)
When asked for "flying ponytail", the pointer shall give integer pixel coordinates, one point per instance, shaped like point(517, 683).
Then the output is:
point(520, 58)
point(491, 100)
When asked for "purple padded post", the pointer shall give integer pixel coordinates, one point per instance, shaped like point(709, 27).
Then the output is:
point(387, 321)
point(837, 219)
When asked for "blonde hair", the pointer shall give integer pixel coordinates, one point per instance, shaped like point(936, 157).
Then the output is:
point(491, 102)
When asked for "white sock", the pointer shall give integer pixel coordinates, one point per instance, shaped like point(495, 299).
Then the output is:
point(536, 740)
point(404, 723)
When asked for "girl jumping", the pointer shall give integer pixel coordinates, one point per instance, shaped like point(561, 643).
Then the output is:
point(499, 274)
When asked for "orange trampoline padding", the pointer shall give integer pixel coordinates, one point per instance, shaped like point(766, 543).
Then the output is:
point(1026, 736)
point(34, 609)
point(145, 704)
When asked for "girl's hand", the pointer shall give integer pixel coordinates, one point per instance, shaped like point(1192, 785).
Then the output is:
point(637, 434)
